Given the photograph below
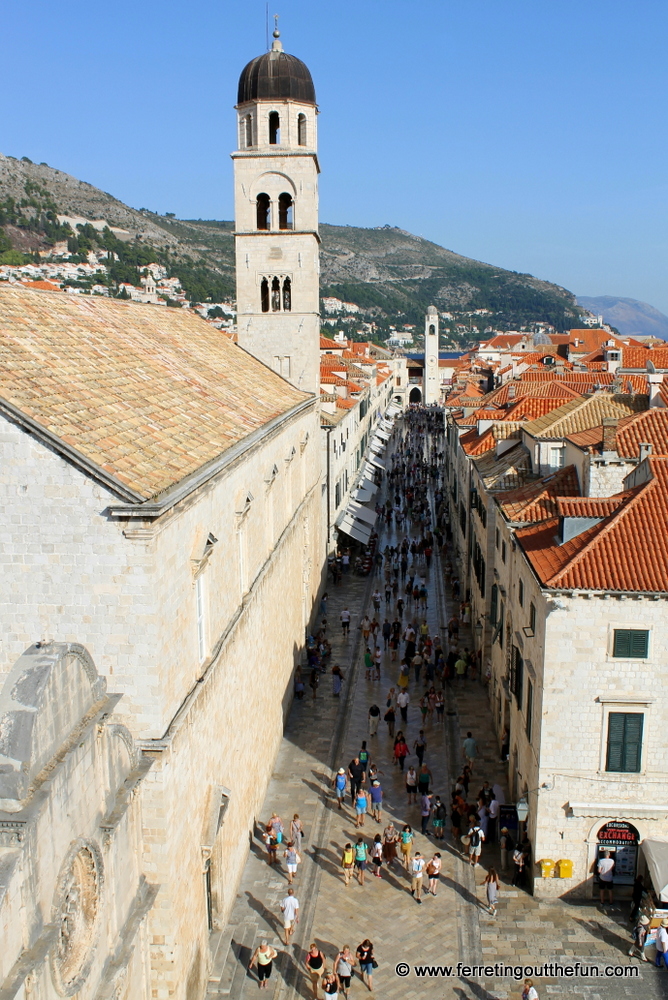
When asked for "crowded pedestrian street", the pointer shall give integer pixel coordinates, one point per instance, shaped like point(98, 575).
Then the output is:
point(390, 873)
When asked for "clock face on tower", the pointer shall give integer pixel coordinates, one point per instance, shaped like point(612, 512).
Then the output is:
point(432, 361)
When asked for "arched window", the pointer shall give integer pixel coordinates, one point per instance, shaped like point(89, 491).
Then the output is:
point(287, 295)
point(285, 211)
point(274, 129)
point(248, 130)
point(301, 130)
point(432, 329)
point(275, 295)
point(263, 211)
point(264, 295)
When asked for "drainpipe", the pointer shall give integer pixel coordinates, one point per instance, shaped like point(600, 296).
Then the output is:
point(329, 433)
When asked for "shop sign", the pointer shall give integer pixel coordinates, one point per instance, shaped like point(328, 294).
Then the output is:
point(618, 834)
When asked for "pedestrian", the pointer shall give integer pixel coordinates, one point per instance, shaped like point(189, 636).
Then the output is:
point(376, 597)
point(290, 910)
point(411, 785)
point(475, 838)
point(529, 991)
point(470, 748)
point(491, 884)
point(361, 806)
point(276, 824)
point(377, 660)
point(368, 663)
point(314, 680)
point(420, 745)
point(425, 812)
point(405, 844)
point(364, 756)
point(292, 859)
point(493, 810)
point(361, 851)
point(506, 844)
point(376, 797)
point(434, 872)
point(337, 680)
point(367, 962)
point(417, 871)
point(365, 626)
point(339, 783)
point(400, 751)
point(519, 861)
point(296, 831)
point(390, 713)
point(439, 813)
point(344, 963)
point(662, 944)
point(347, 862)
point(270, 840)
point(263, 955)
point(390, 838)
point(330, 985)
point(374, 719)
point(424, 778)
point(403, 701)
point(605, 869)
point(345, 622)
point(639, 933)
point(323, 604)
point(299, 683)
point(460, 670)
point(377, 854)
point(315, 965)
point(357, 776)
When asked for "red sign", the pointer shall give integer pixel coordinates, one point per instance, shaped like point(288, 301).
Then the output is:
point(618, 834)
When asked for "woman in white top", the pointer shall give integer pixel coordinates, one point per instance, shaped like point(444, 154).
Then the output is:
point(434, 872)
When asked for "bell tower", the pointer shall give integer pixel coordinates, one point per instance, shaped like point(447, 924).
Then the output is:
point(431, 385)
point(277, 244)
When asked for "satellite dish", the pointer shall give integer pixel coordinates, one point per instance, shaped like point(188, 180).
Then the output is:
point(650, 367)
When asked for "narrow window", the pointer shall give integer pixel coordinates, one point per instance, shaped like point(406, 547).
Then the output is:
point(287, 295)
point(248, 127)
point(532, 617)
point(624, 742)
point(274, 129)
point(285, 211)
point(275, 295)
point(201, 622)
point(494, 604)
point(497, 537)
point(503, 552)
point(520, 596)
point(301, 130)
point(556, 458)
point(263, 211)
point(529, 718)
point(517, 679)
point(264, 295)
point(432, 329)
point(631, 643)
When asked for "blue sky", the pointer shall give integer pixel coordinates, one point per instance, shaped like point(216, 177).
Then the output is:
point(524, 133)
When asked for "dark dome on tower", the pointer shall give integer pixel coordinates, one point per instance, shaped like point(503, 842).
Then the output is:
point(275, 76)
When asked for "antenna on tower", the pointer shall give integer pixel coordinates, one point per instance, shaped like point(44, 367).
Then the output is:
point(266, 25)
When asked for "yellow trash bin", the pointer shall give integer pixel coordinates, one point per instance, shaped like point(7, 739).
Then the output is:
point(564, 868)
point(546, 868)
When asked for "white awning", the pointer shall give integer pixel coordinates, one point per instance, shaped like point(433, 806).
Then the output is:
point(362, 513)
point(362, 495)
point(382, 434)
point(376, 461)
point(387, 425)
point(656, 856)
point(377, 447)
point(367, 484)
point(392, 410)
point(360, 532)
point(369, 470)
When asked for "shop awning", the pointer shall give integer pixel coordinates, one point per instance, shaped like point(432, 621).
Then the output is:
point(393, 410)
point(362, 513)
point(377, 447)
point(656, 856)
point(367, 484)
point(382, 434)
point(387, 425)
point(360, 532)
point(376, 462)
point(363, 495)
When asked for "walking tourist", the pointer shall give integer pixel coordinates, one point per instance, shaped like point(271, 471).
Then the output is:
point(344, 963)
point(367, 962)
point(263, 956)
point(434, 872)
point(290, 910)
point(315, 965)
point(491, 884)
point(417, 872)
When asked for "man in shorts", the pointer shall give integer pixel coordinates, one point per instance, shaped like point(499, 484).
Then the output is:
point(605, 868)
point(417, 872)
point(290, 910)
point(476, 838)
point(340, 781)
point(345, 621)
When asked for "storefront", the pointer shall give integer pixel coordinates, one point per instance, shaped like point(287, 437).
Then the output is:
point(621, 840)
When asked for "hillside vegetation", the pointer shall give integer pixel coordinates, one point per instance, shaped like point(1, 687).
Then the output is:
point(390, 274)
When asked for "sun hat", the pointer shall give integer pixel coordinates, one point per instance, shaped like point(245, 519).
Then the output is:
point(664, 922)
point(644, 921)
point(342, 770)
point(504, 829)
point(375, 781)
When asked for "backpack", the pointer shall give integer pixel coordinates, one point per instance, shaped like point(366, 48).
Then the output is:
point(475, 837)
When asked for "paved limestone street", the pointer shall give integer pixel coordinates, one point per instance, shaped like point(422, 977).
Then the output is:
point(453, 927)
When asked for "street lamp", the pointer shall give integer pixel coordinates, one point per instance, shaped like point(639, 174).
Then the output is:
point(522, 810)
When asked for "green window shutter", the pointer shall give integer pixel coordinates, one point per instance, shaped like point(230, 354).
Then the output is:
point(631, 643)
point(624, 742)
point(639, 643)
point(494, 604)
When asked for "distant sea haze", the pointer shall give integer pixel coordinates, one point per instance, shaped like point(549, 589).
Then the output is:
point(630, 317)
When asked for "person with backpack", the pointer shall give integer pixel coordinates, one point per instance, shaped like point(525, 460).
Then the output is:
point(438, 818)
point(339, 784)
point(347, 862)
point(475, 838)
point(640, 932)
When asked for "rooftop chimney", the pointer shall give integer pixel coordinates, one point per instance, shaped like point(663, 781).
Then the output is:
point(609, 434)
point(511, 391)
point(645, 451)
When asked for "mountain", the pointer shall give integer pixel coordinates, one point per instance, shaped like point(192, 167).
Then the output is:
point(390, 274)
point(631, 317)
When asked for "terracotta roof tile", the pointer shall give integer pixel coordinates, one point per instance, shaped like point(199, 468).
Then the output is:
point(580, 414)
point(326, 344)
point(538, 500)
point(149, 394)
point(532, 407)
point(626, 551)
